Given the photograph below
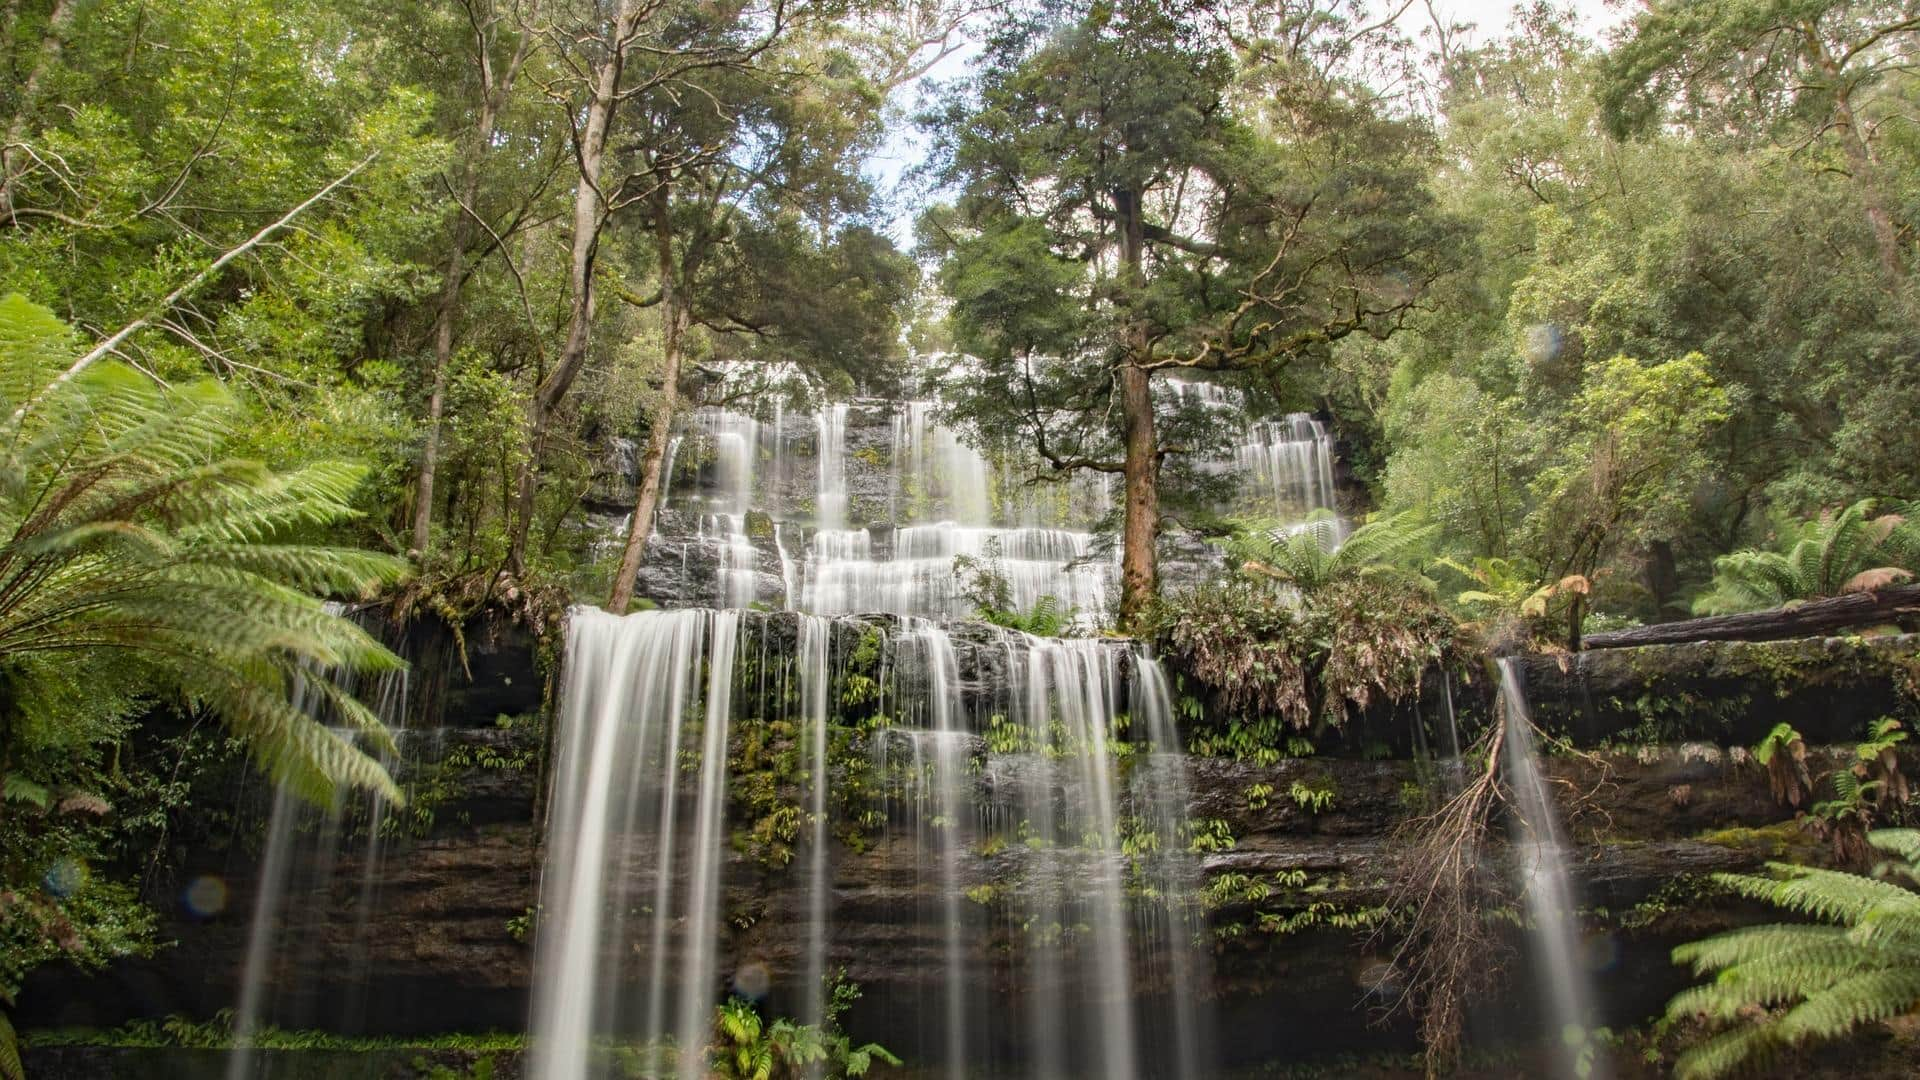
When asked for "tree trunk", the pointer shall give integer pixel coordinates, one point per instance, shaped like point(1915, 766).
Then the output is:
point(443, 330)
point(675, 316)
point(494, 94)
point(1814, 618)
point(1860, 161)
point(1139, 560)
point(51, 43)
point(588, 218)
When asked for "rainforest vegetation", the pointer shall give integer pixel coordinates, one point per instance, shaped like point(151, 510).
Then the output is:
point(315, 302)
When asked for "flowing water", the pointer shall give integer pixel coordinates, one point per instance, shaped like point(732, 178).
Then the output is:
point(1027, 822)
point(1553, 931)
point(1284, 467)
point(298, 875)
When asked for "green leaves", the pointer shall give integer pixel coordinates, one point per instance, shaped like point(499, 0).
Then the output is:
point(122, 531)
point(1847, 551)
point(1782, 985)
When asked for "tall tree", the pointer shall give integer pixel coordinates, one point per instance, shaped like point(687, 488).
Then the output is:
point(758, 170)
point(637, 49)
point(1128, 208)
point(498, 47)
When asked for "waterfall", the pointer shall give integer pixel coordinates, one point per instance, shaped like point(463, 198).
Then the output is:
point(816, 635)
point(1016, 815)
point(1162, 789)
point(830, 503)
point(844, 575)
point(304, 848)
point(632, 691)
point(261, 937)
point(1020, 842)
point(1292, 461)
point(1541, 867)
point(935, 473)
point(1285, 466)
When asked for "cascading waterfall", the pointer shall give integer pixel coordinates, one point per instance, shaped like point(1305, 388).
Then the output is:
point(1541, 854)
point(935, 473)
point(1161, 790)
point(1034, 827)
point(830, 501)
point(1051, 892)
point(633, 704)
point(844, 576)
point(1285, 466)
point(816, 637)
point(1292, 460)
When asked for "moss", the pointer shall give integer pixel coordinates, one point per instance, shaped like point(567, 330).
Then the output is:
point(1779, 840)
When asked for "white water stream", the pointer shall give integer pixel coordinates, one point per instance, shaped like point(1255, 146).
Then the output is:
point(1553, 931)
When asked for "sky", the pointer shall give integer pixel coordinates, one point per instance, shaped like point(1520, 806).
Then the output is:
point(905, 146)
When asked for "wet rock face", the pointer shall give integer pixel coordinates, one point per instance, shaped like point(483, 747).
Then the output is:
point(1292, 970)
point(1730, 692)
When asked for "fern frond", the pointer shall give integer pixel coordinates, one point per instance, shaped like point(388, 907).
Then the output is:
point(1825, 894)
point(1900, 843)
point(1727, 1053)
point(1849, 1003)
point(11, 1067)
point(1807, 981)
point(126, 530)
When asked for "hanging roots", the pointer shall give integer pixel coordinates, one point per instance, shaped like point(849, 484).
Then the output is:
point(1449, 894)
point(1445, 893)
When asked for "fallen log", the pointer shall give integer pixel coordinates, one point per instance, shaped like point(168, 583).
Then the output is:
point(1814, 618)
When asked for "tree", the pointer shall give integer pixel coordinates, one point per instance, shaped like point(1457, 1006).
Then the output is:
point(1812, 65)
point(639, 48)
point(747, 182)
point(1783, 985)
point(1698, 237)
point(1125, 210)
point(1622, 469)
point(499, 49)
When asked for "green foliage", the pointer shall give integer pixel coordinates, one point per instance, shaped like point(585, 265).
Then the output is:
point(1776, 986)
point(1783, 753)
point(1314, 798)
point(1836, 553)
point(1312, 557)
point(746, 1047)
point(145, 571)
point(1207, 835)
point(128, 537)
point(1299, 633)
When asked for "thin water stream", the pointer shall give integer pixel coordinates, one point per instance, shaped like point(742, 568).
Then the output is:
point(1553, 917)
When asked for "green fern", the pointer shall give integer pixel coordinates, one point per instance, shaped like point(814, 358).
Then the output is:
point(1311, 556)
point(123, 531)
point(1835, 553)
point(1807, 982)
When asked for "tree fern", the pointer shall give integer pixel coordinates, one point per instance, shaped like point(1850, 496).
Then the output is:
point(1806, 982)
point(1835, 553)
point(1312, 555)
point(124, 531)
